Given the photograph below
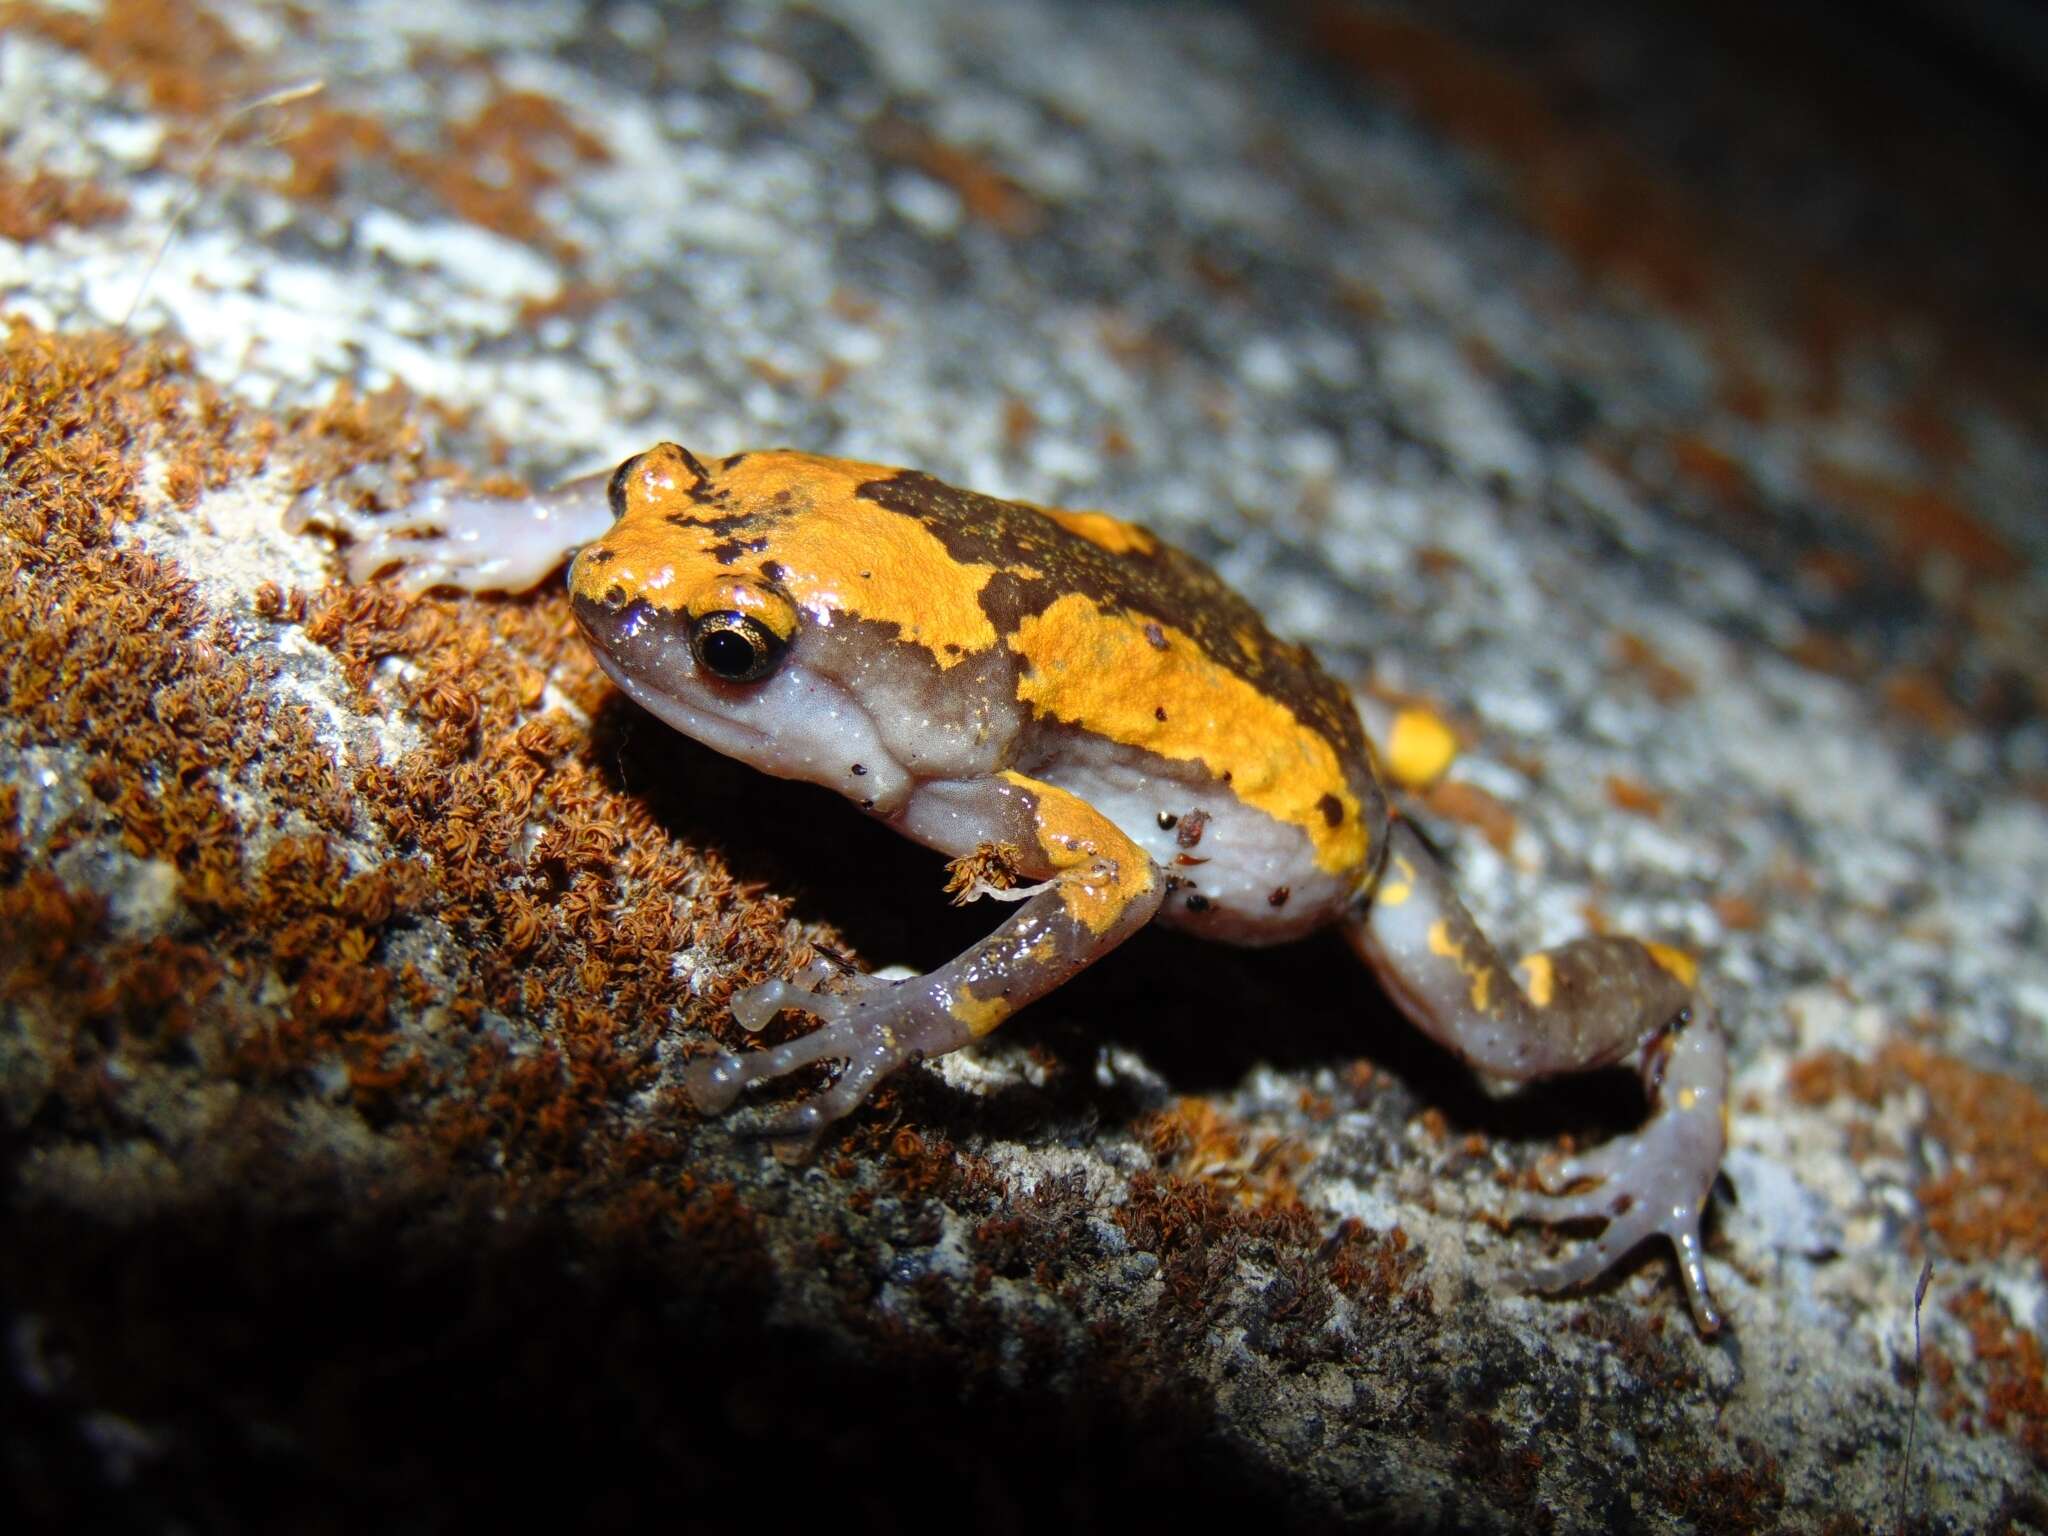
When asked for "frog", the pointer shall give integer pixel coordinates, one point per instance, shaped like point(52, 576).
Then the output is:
point(1108, 736)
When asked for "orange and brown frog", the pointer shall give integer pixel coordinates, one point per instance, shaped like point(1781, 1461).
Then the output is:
point(1064, 686)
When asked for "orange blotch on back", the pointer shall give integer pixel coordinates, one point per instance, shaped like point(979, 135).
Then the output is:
point(1151, 686)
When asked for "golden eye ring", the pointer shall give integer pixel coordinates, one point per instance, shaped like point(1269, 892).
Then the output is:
point(735, 647)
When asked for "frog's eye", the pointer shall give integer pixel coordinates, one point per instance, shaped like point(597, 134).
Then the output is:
point(736, 647)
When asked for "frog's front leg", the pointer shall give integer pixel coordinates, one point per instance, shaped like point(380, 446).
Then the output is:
point(1100, 887)
point(1582, 1005)
point(444, 538)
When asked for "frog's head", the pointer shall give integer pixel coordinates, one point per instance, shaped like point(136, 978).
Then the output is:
point(693, 614)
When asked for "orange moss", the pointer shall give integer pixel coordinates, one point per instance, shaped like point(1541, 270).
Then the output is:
point(2015, 1400)
point(11, 846)
point(1586, 191)
point(495, 165)
point(1738, 912)
point(1715, 471)
point(176, 52)
point(987, 195)
point(502, 829)
point(1484, 1460)
point(489, 169)
point(1196, 1141)
point(1368, 1265)
point(922, 1167)
point(1633, 796)
point(1993, 1201)
point(31, 207)
point(1666, 683)
point(570, 301)
point(1922, 699)
point(1622, 212)
point(1920, 521)
point(1834, 571)
point(1198, 1232)
point(1829, 654)
point(1928, 425)
point(1746, 1493)
point(1224, 1191)
point(1473, 806)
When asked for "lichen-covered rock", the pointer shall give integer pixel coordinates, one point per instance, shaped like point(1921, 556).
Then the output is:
point(352, 946)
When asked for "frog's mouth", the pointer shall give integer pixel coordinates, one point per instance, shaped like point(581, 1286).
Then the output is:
point(796, 724)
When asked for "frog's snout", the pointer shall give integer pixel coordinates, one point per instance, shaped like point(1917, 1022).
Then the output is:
point(631, 629)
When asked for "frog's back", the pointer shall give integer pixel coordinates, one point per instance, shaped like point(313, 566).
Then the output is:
point(1047, 558)
point(1139, 646)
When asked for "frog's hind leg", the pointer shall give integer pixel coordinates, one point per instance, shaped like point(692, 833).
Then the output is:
point(1583, 1005)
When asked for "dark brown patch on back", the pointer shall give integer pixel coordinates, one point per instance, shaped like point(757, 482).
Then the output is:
point(728, 551)
point(723, 527)
point(1167, 586)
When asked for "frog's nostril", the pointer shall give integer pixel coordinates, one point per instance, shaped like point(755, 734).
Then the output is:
point(612, 620)
point(635, 619)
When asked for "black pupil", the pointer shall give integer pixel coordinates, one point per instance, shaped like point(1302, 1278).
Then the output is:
point(729, 653)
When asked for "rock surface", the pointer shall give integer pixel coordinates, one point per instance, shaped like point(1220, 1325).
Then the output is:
point(1678, 438)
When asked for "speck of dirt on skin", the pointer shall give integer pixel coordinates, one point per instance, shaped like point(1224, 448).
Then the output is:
point(991, 864)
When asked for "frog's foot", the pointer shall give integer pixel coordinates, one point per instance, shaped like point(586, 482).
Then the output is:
point(444, 539)
point(1656, 1181)
point(872, 1025)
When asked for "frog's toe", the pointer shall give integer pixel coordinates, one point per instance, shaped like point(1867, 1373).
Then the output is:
point(795, 1130)
point(753, 1007)
point(715, 1082)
